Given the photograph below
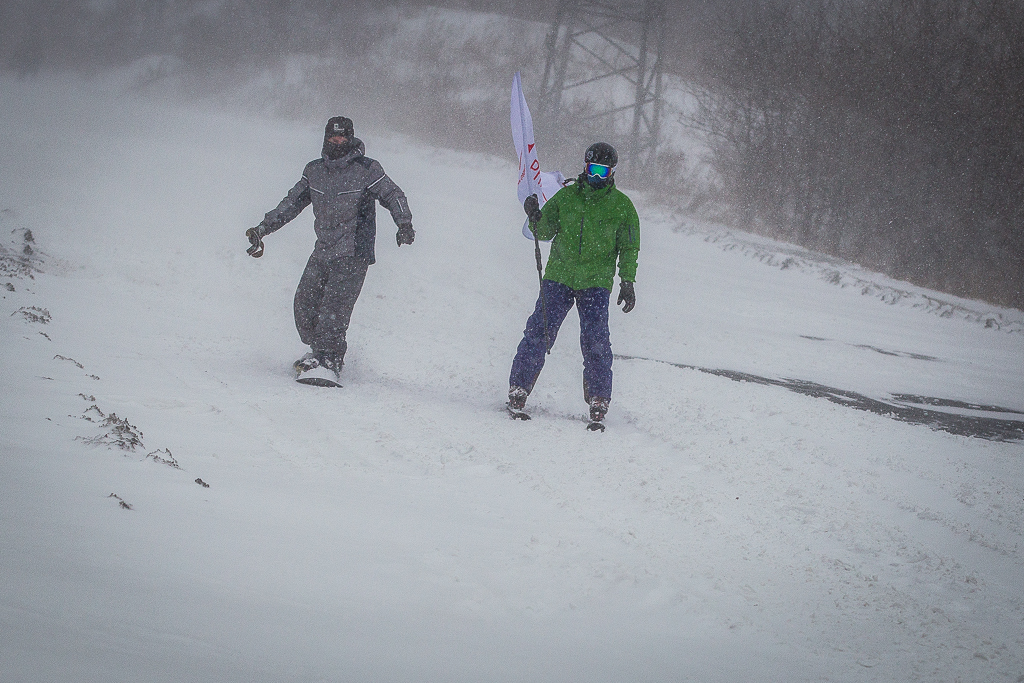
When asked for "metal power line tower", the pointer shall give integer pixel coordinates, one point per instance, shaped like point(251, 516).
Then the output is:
point(617, 45)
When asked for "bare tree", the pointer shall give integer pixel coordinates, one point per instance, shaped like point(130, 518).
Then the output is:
point(884, 131)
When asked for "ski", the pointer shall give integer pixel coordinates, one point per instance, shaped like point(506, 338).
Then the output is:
point(517, 414)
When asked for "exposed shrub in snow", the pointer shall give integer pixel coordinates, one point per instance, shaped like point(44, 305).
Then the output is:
point(164, 457)
point(119, 432)
point(34, 314)
point(18, 257)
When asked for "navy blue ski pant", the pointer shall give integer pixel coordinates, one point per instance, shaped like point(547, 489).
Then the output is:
point(592, 305)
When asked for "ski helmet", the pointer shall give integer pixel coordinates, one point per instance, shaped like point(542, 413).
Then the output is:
point(600, 160)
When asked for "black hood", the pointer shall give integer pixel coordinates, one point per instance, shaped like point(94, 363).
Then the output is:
point(355, 150)
point(333, 151)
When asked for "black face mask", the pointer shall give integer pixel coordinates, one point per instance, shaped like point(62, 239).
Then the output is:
point(333, 151)
point(598, 183)
point(595, 182)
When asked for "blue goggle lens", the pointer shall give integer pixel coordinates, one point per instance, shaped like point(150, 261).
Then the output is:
point(599, 170)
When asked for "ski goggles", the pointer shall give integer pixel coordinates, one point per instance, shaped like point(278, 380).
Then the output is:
point(599, 170)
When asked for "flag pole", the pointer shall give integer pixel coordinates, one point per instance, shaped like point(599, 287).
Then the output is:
point(540, 278)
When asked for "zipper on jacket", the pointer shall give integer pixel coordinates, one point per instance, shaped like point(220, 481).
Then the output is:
point(581, 234)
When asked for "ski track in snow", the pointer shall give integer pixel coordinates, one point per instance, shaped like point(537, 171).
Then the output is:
point(403, 528)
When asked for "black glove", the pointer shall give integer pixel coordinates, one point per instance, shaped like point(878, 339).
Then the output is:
point(532, 208)
point(626, 294)
point(405, 234)
point(255, 236)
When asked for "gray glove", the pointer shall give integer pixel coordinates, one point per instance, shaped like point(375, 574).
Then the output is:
point(627, 295)
point(405, 234)
point(255, 236)
point(532, 208)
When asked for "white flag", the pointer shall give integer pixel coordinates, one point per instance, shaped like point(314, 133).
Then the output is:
point(531, 179)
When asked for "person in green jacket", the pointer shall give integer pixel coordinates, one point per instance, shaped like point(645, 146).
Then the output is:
point(594, 226)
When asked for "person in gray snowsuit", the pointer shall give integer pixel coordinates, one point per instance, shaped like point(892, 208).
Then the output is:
point(342, 185)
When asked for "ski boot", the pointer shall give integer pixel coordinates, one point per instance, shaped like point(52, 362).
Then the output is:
point(517, 403)
point(598, 409)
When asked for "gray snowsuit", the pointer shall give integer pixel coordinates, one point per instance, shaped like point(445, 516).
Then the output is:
point(342, 192)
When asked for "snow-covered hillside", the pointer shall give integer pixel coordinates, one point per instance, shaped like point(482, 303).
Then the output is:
point(173, 507)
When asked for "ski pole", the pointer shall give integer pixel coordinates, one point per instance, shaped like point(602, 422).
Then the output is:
point(540, 278)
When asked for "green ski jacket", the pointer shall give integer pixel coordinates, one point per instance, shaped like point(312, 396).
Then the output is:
point(591, 229)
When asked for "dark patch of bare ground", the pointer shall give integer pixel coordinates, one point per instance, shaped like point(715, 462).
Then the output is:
point(919, 410)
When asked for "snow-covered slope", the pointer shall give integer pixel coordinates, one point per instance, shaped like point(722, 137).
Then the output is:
point(403, 528)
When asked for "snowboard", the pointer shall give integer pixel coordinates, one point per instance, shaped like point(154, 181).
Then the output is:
point(318, 382)
point(318, 377)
